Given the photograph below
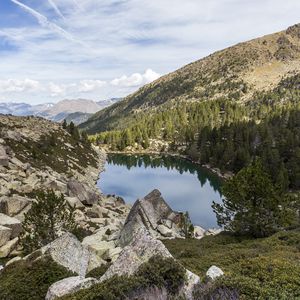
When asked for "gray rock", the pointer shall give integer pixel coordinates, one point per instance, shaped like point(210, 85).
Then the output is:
point(77, 189)
point(4, 160)
point(14, 204)
point(74, 202)
point(14, 224)
point(139, 251)
point(5, 234)
point(17, 258)
point(214, 272)
point(68, 285)
point(68, 252)
point(199, 232)
point(6, 249)
point(150, 212)
point(213, 231)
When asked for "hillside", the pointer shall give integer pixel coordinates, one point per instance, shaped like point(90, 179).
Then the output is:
point(57, 111)
point(235, 73)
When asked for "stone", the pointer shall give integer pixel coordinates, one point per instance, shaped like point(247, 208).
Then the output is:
point(6, 249)
point(139, 251)
point(214, 272)
point(213, 231)
point(112, 254)
point(164, 231)
point(68, 252)
point(199, 232)
point(68, 286)
point(14, 224)
point(17, 258)
point(4, 160)
point(150, 212)
point(5, 234)
point(77, 189)
point(14, 204)
point(74, 202)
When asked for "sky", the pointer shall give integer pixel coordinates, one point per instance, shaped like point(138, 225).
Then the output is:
point(99, 49)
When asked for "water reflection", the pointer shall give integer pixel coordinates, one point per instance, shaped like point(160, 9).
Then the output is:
point(184, 185)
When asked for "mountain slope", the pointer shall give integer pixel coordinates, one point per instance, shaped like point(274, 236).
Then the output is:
point(235, 73)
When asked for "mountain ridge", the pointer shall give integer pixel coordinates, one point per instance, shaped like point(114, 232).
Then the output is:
point(237, 72)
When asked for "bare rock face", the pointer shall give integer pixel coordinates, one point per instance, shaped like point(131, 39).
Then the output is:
point(77, 189)
point(68, 286)
point(68, 252)
point(13, 205)
point(139, 251)
point(153, 213)
point(14, 224)
point(4, 159)
point(7, 248)
point(5, 234)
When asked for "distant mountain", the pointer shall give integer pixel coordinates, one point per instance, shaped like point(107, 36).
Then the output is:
point(236, 73)
point(77, 117)
point(58, 111)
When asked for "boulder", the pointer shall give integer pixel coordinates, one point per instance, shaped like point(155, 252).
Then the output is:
point(14, 224)
point(17, 258)
point(68, 252)
point(6, 249)
point(14, 204)
point(199, 232)
point(214, 272)
point(68, 286)
point(213, 231)
point(77, 189)
point(139, 251)
point(74, 202)
point(151, 212)
point(5, 234)
point(4, 160)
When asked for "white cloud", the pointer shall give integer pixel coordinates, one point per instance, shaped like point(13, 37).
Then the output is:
point(98, 41)
point(15, 85)
point(90, 85)
point(136, 79)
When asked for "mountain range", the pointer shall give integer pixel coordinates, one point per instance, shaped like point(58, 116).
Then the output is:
point(76, 110)
point(236, 73)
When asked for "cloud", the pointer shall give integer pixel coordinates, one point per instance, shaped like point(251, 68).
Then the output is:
point(136, 79)
point(90, 85)
point(43, 21)
point(54, 6)
point(15, 85)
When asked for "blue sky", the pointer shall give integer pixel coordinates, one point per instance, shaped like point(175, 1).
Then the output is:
point(97, 49)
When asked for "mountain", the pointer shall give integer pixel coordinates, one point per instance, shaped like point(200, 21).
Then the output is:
point(57, 111)
point(77, 117)
point(236, 73)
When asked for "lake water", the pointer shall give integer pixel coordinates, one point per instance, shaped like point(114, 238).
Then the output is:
point(184, 185)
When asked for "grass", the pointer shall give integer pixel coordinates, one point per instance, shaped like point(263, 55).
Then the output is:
point(267, 268)
point(28, 280)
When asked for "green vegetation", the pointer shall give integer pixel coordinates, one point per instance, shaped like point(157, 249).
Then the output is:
point(265, 268)
point(30, 280)
point(224, 133)
point(48, 216)
point(157, 272)
point(253, 205)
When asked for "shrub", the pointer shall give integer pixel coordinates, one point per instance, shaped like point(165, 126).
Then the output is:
point(46, 219)
point(27, 280)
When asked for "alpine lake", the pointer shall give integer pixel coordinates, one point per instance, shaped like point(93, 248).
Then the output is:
point(185, 186)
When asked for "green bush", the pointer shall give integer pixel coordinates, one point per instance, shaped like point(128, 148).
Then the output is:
point(158, 272)
point(265, 268)
point(27, 280)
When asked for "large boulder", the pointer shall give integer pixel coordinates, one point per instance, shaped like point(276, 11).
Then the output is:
point(153, 213)
point(139, 251)
point(13, 205)
point(14, 224)
point(68, 286)
point(5, 234)
point(68, 252)
point(4, 159)
point(214, 272)
point(79, 190)
point(7, 248)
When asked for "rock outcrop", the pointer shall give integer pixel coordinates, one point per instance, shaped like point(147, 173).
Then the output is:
point(153, 213)
point(68, 285)
point(214, 272)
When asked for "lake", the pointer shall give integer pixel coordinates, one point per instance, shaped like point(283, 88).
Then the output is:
point(184, 185)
